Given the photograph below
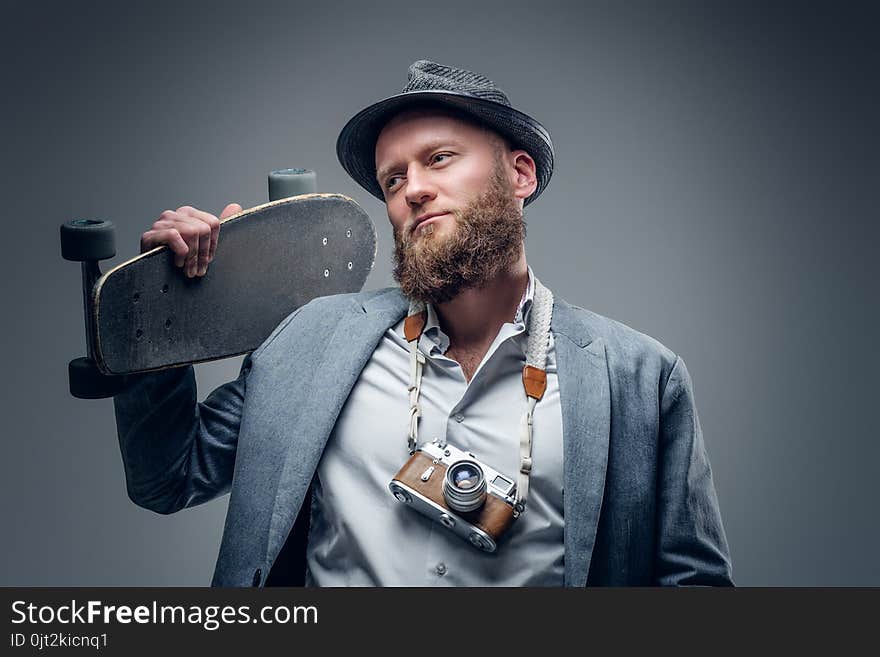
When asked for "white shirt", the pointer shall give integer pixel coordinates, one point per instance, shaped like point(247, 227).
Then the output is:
point(361, 535)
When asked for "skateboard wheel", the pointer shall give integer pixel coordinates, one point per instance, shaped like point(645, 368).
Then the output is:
point(285, 183)
point(88, 239)
point(87, 381)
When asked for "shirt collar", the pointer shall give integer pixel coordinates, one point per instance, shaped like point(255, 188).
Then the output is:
point(525, 304)
point(433, 331)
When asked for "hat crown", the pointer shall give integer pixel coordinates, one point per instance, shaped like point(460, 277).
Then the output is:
point(425, 75)
point(459, 89)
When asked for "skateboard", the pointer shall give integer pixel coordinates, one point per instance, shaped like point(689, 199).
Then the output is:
point(145, 314)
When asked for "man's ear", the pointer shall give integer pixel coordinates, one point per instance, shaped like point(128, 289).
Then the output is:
point(526, 181)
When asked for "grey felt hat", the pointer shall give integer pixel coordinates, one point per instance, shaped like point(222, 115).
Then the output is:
point(456, 88)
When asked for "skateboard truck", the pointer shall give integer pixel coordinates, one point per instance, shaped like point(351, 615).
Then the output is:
point(89, 241)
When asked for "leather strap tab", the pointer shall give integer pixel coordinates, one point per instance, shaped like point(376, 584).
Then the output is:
point(414, 325)
point(534, 381)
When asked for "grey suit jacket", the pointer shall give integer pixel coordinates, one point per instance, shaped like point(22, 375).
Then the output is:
point(639, 503)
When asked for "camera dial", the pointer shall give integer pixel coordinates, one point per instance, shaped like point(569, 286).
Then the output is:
point(481, 542)
point(400, 493)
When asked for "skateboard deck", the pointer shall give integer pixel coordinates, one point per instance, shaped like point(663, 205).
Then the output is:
point(269, 261)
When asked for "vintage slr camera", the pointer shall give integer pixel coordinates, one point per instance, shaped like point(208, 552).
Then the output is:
point(452, 487)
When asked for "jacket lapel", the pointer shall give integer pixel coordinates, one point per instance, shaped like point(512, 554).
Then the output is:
point(586, 405)
point(346, 353)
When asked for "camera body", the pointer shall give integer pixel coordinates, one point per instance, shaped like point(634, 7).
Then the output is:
point(453, 488)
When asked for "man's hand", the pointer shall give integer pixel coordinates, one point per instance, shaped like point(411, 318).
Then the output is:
point(190, 233)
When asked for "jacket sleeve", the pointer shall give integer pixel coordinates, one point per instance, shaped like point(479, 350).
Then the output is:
point(177, 452)
point(691, 545)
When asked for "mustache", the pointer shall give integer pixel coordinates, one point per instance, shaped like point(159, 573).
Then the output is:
point(408, 232)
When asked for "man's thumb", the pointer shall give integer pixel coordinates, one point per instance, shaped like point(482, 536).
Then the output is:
point(229, 210)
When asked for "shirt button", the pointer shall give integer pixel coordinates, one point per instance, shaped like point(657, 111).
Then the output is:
point(459, 418)
point(441, 568)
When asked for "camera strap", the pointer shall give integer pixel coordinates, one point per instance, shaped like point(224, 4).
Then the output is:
point(534, 378)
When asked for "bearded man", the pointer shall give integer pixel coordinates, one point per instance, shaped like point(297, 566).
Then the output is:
point(593, 421)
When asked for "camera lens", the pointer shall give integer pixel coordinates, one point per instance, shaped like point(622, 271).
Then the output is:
point(464, 486)
point(466, 477)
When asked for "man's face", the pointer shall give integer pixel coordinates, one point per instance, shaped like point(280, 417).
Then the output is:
point(431, 164)
point(452, 201)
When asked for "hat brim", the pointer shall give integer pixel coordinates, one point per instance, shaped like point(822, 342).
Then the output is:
point(356, 145)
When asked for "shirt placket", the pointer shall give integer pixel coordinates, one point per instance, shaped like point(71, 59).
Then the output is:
point(443, 560)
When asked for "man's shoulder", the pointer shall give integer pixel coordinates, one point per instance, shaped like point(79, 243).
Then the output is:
point(387, 298)
point(625, 347)
point(316, 319)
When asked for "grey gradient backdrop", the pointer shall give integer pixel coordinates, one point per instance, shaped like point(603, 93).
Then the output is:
point(717, 169)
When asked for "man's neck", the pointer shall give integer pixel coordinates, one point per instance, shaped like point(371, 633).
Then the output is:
point(473, 318)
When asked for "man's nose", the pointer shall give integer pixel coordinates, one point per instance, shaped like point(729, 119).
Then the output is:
point(419, 188)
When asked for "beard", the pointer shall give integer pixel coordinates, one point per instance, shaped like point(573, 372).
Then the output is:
point(485, 241)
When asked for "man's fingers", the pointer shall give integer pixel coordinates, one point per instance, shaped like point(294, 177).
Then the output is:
point(192, 258)
point(192, 224)
point(205, 240)
point(229, 210)
point(207, 217)
point(169, 236)
point(191, 262)
point(214, 224)
point(192, 235)
point(212, 244)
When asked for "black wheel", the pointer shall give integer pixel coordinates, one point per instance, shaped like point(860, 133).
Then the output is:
point(87, 381)
point(88, 239)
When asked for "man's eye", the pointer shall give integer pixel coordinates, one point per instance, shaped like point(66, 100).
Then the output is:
point(436, 157)
point(390, 182)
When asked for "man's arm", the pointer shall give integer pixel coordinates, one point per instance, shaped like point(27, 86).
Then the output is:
point(691, 545)
point(177, 452)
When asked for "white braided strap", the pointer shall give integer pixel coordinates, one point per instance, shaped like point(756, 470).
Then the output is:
point(525, 459)
point(536, 357)
point(539, 327)
point(417, 363)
